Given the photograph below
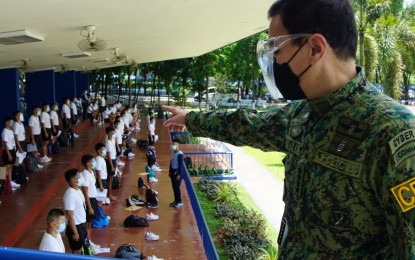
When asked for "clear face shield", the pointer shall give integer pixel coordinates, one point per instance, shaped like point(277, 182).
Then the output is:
point(265, 55)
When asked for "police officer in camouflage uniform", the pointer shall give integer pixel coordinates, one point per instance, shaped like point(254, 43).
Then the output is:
point(349, 187)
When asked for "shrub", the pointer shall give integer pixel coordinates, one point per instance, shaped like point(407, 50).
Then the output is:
point(227, 193)
point(269, 254)
point(240, 245)
point(224, 211)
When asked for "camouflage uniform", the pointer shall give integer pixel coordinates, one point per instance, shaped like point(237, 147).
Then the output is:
point(349, 171)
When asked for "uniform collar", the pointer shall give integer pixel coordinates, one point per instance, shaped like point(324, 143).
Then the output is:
point(321, 105)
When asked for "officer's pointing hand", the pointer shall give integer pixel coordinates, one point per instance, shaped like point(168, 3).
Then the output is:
point(177, 118)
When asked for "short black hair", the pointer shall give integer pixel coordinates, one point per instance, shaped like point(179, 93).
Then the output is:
point(16, 113)
point(116, 122)
point(35, 108)
point(71, 173)
point(54, 214)
point(109, 129)
point(98, 146)
point(6, 119)
point(334, 19)
point(86, 158)
point(175, 140)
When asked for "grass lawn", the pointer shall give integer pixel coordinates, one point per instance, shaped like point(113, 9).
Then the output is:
point(244, 201)
point(270, 160)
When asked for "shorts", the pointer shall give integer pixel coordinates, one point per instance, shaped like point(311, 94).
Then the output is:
point(76, 245)
point(55, 133)
point(104, 184)
point(38, 141)
point(44, 138)
point(106, 120)
point(66, 123)
point(94, 205)
point(114, 162)
point(23, 144)
point(6, 159)
point(101, 109)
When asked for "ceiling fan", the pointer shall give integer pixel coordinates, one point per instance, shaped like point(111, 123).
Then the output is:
point(117, 57)
point(91, 43)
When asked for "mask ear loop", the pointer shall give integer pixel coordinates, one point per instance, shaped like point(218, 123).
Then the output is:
point(304, 71)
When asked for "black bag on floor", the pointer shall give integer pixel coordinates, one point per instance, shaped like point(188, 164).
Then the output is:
point(142, 144)
point(62, 141)
point(31, 163)
point(135, 221)
point(19, 174)
point(151, 197)
point(140, 183)
point(56, 148)
point(127, 251)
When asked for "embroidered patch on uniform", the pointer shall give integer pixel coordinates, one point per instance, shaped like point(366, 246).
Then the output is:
point(337, 164)
point(296, 131)
point(352, 128)
point(404, 152)
point(342, 146)
point(404, 194)
point(402, 138)
point(293, 146)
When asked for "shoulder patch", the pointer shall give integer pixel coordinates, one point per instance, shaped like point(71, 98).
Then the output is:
point(404, 194)
point(404, 152)
point(401, 139)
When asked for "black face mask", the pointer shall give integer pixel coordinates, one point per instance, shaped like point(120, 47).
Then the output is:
point(286, 81)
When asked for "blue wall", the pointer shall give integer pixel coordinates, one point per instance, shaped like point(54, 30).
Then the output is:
point(10, 94)
point(81, 82)
point(65, 85)
point(40, 88)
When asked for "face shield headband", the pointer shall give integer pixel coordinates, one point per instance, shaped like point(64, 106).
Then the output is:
point(265, 55)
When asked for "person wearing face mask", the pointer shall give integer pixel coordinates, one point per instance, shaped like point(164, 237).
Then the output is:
point(111, 159)
point(85, 101)
point(54, 120)
point(9, 153)
point(46, 132)
point(350, 154)
point(19, 132)
point(176, 172)
point(34, 127)
point(101, 169)
point(52, 239)
point(75, 208)
point(74, 112)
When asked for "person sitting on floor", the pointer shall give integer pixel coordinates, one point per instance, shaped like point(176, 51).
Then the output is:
point(52, 239)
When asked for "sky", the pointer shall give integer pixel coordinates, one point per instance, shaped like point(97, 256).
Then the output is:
point(408, 2)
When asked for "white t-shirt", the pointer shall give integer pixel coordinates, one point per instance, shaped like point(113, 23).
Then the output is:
point(73, 108)
point(95, 107)
point(66, 112)
point(152, 129)
point(106, 114)
point(8, 136)
point(45, 119)
point(113, 110)
point(110, 145)
point(129, 117)
point(90, 109)
point(74, 200)
point(101, 167)
point(34, 122)
point(52, 244)
point(118, 134)
point(103, 101)
point(90, 182)
point(18, 129)
point(54, 117)
point(125, 120)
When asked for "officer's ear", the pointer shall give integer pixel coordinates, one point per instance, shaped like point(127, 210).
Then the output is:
point(318, 48)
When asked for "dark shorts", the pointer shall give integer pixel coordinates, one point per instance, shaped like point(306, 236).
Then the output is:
point(55, 133)
point(6, 159)
point(94, 205)
point(66, 123)
point(104, 184)
point(44, 138)
point(114, 162)
point(76, 245)
point(38, 141)
point(101, 109)
point(23, 144)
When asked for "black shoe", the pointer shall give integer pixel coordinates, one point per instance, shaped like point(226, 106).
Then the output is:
point(152, 206)
point(172, 204)
point(127, 202)
point(177, 205)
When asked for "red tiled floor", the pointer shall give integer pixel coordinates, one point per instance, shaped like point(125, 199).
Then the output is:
point(179, 236)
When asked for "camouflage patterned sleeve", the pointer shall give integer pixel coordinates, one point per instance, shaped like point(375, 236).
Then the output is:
point(396, 192)
point(243, 127)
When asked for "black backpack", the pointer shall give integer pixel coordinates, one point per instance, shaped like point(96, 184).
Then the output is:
point(142, 144)
point(127, 251)
point(19, 174)
point(151, 197)
point(31, 163)
point(150, 159)
point(135, 221)
point(141, 183)
point(56, 148)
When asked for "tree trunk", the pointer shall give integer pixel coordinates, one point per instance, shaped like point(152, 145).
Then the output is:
point(207, 93)
point(129, 84)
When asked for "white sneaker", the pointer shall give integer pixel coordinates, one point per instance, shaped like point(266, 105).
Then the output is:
point(107, 201)
point(152, 179)
point(59, 133)
point(46, 159)
point(40, 166)
point(151, 236)
point(133, 140)
point(15, 185)
point(75, 135)
point(99, 123)
point(155, 168)
point(130, 154)
point(152, 216)
point(153, 258)
point(120, 163)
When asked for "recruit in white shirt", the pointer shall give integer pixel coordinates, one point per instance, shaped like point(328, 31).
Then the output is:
point(74, 200)
point(35, 124)
point(52, 244)
point(45, 119)
point(8, 137)
point(90, 182)
point(18, 129)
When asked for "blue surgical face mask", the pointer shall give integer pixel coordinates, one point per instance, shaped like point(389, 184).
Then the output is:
point(104, 153)
point(61, 227)
point(94, 165)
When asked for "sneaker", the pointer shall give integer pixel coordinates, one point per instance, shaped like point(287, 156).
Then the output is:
point(45, 159)
point(152, 206)
point(75, 135)
point(130, 154)
point(120, 163)
point(40, 166)
point(107, 201)
point(15, 185)
point(135, 200)
point(152, 216)
point(133, 140)
point(155, 168)
point(152, 179)
point(172, 204)
point(177, 205)
point(151, 236)
point(27, 178)
point(153, 257)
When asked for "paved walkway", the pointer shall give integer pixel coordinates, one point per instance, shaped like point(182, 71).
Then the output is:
point(265, 189)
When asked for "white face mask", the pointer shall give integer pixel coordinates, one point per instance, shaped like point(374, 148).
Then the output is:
point(173, 146)
point(21, 117)
point(81, 181)
point(48, 109)
point(69, 102)
point(38, 113)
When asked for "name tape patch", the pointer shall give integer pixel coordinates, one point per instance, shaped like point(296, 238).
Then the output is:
point(293, 146)
point(401, 139)
point(337, 164)
point(403, 153)
point(404, 194)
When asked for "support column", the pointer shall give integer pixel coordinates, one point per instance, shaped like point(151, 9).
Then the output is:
point(40, 88)
point(82, 81)
point(65, 85)
point(10, 93)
